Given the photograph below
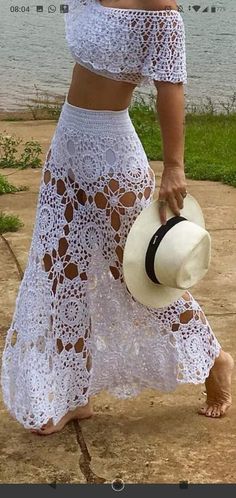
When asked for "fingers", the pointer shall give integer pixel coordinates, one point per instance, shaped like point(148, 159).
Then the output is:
point(172, 191)
point(162, 212)
point(180, 200)
point(175, 202)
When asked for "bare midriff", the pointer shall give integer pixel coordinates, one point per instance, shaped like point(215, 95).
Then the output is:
point(92, 91)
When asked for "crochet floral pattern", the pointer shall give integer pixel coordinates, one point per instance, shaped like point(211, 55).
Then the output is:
point(76, 329)
point(129, 45)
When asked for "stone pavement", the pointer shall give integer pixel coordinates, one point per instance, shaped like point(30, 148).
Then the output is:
point(154, 438)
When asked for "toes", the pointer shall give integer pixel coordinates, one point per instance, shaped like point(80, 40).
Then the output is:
point(46, 431)
point(224, 407)
point(216, 412)
point(203, 410)
point(52, 429)
point(209, 411)
point(40, 432)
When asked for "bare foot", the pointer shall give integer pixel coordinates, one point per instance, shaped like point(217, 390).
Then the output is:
point(79, 413)
point(218, 387)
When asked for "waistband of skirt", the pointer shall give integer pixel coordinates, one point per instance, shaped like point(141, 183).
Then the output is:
point(96, 121)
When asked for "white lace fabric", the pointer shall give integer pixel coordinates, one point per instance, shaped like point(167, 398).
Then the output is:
point(76, 329)
point(136, 46)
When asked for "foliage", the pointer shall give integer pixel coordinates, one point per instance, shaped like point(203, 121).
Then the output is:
point(10, 158)
point(9, 223)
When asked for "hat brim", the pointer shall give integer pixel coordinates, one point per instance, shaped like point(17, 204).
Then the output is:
point(140, 234)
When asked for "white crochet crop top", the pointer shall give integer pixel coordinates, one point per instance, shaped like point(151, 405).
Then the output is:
point(136, 46)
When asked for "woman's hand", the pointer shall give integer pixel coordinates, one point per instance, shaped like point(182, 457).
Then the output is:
point(172, 190)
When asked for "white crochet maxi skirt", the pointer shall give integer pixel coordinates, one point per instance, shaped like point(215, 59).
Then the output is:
point(76, 329)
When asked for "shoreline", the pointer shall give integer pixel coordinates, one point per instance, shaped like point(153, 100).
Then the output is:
point(24, 115)
point(45, 108)
point(38, 114)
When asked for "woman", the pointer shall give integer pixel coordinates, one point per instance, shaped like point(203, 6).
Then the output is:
point(76, 329)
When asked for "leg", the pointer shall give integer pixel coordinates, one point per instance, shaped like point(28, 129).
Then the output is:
point(79, 413)
point(68, 272)
point(218, 387)
point(218, 383)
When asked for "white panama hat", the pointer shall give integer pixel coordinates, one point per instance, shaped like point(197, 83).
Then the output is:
point(161, 262)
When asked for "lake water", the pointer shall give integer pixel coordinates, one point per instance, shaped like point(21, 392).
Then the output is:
point(34, 51)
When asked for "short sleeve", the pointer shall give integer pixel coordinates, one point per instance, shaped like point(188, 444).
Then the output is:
point(168, 50)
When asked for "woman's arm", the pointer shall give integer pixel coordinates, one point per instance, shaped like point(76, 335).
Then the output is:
point(171, 112)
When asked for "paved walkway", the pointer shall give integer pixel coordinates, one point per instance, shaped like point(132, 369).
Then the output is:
point(155, 438)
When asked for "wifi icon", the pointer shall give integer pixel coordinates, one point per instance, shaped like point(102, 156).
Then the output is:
point(196, 7)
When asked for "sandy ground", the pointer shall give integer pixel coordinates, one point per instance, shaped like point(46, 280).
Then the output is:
point(154, 438)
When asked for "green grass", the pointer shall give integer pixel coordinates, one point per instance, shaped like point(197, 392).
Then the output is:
point(210, 145)
point(210, 148)
point(9, 223)
point(8, 188)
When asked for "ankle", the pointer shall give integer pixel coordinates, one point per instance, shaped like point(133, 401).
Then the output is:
point(223, 358)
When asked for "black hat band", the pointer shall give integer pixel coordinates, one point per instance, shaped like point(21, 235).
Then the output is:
point(154, 244)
